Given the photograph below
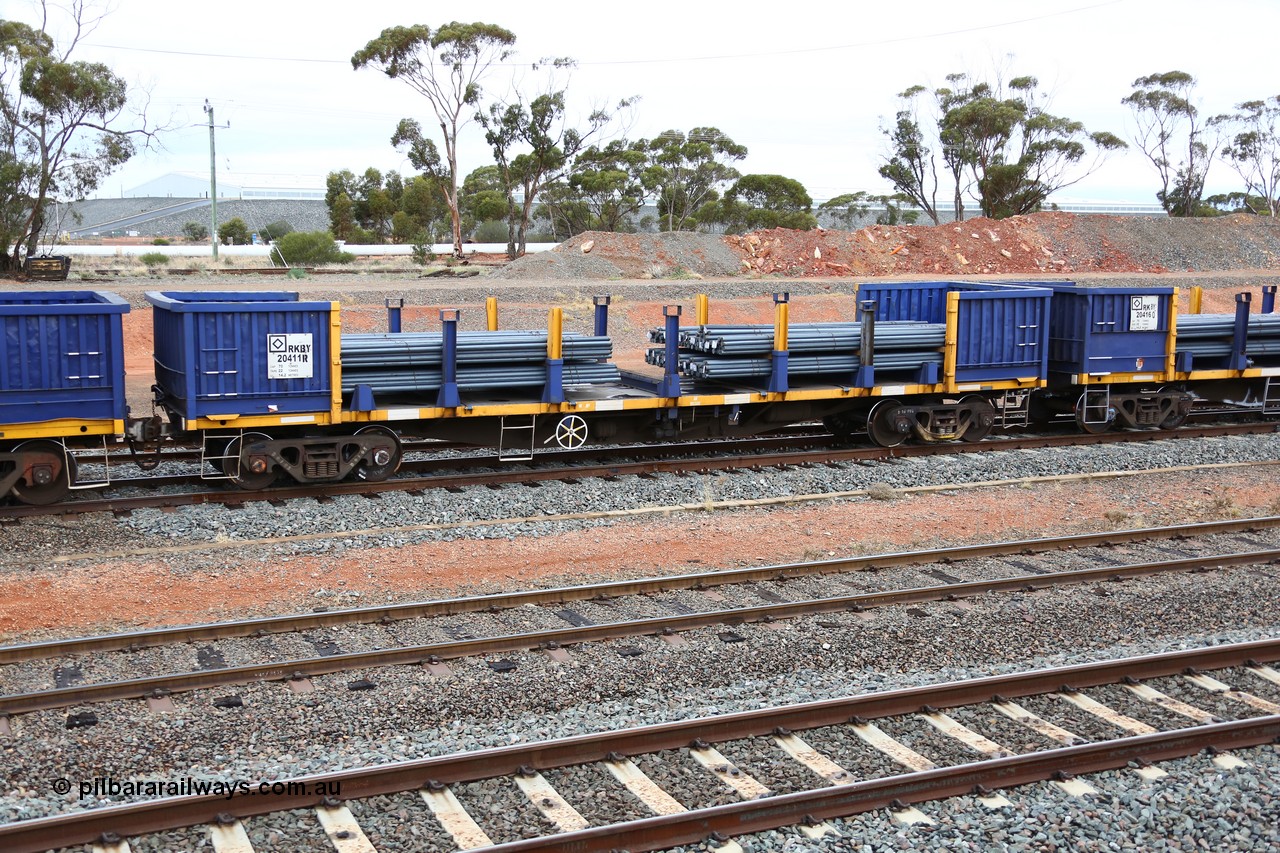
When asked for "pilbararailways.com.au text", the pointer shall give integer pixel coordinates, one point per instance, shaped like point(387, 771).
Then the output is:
point(105, 786)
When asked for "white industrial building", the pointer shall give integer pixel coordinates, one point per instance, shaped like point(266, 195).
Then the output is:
point(191, 185)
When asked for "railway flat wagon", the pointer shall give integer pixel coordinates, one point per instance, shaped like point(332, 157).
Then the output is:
point(1124, 356)
point(259, 380)
point(1232, 359)
point(61, 385)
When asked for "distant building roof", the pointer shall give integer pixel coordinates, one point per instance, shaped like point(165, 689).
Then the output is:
point(184, 185)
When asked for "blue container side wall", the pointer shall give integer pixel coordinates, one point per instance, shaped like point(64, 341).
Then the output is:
point(1002, 328)
point(924, 301)
point(212, 354)
point(1002, 335)
point(1092, 330)
point(61, 356)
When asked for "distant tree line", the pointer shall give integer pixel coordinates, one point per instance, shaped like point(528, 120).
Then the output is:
point(989, 146)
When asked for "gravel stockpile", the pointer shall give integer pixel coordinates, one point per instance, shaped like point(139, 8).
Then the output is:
point(673, 254)
point(1240, 242)
point(1037, 244)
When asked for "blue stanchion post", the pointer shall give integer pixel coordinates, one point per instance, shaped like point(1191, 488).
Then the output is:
point(1239, 359)
point(448, 397)
point(394, 307)
point(865, 376)
point(602, 315)
point(1268, 298)
point(670, 384)
point(780, 356)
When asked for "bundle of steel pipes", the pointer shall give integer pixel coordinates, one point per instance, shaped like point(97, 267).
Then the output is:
point(815, 349)
point(1209, 335)
point(413, 362)
point(810, 337)
point(704, 367)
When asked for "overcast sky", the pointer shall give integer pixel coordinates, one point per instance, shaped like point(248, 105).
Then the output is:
point(805, 86)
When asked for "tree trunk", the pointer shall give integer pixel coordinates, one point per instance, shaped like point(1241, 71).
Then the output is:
point(451, 194)
point(526, 213)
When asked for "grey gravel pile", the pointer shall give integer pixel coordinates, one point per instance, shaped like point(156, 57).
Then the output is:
point(671, 254)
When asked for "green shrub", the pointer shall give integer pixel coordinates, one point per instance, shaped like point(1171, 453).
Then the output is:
point(311, 248)
point(491, 231)
point(422, 251)
point(296, 272)
point(276, 230)
point(361, 236)
point(154, 259)
point(160, 241)
point(234, 232)
point(195, 232)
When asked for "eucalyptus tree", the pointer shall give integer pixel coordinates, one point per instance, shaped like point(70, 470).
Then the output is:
point(534, 142)
point(445, 66)
point(1253, 150)
point(1173, 137)
point(756, 202)
point(1000, 143)
point(687, 170)
point(1018, 153)
point(65, 124)
point(912, 164)
point(609, 183)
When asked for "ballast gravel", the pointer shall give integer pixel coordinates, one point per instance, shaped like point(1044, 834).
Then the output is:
point(446, 516)
point(408, 714)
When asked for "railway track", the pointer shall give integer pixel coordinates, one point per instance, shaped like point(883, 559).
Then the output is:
point(773, 594)
point(604, 464)
point(803, 765)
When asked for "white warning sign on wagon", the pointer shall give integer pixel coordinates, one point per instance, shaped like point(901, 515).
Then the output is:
point(289, 356)
point(1144, 313)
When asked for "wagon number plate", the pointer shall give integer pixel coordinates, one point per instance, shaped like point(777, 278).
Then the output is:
point(289, 356)
point(1144, 313)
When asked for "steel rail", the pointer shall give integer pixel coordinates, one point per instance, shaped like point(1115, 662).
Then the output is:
point(741, 818)
point(84, 827)
point(699, 465)
point(569, 459)
point(299, 668)
point(135, 640)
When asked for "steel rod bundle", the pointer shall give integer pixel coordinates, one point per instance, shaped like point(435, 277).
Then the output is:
point(476, 377)
point(804, 337)
point(1199, 326)
point(704, 367)
point(1211, 335)
point(408, 363)
point(1205, 349)
point(814, 349)
point(473, 348)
